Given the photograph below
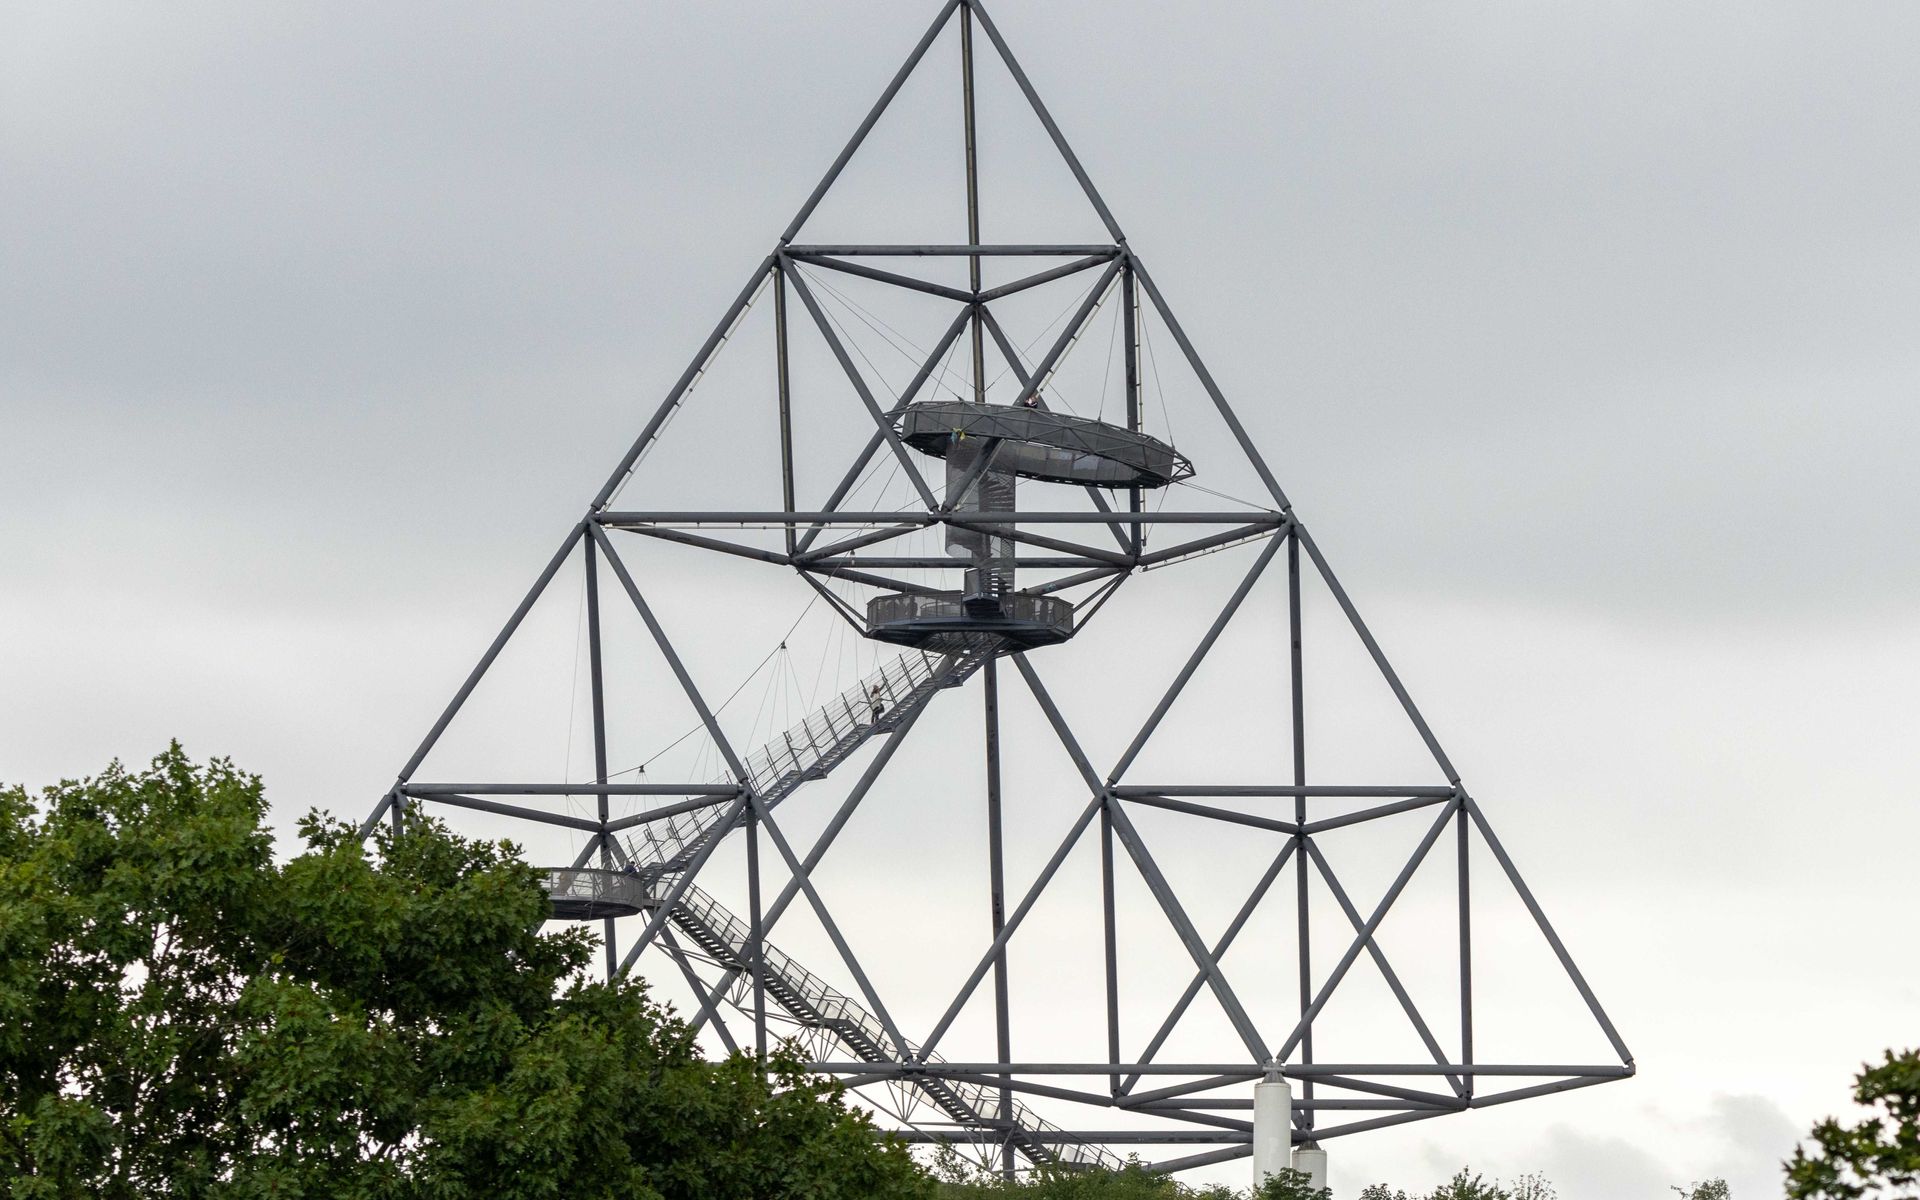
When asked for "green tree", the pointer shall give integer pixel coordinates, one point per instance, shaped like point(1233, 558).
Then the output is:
point(1880, 1156)
point(1533, 1186)
point(1289, 1184)
point(1380, 1191)
point(181, 1017)
point(1706, 1189)
point(959, 1180)
point(1469, 1187)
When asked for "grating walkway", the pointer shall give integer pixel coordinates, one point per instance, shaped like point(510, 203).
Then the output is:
point(810, 750)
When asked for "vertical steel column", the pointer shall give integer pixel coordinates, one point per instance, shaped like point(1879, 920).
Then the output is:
point(1466, 957)
point(756, 938)
point(997, 881)
point(597, 682)
point(1112, 945)
point(1300, 815)
point(378, 814)
point(1130, 295)
point(486, 661)
point(973, 210)
point(866, 126)
point(786, 405)
point(1046, 120)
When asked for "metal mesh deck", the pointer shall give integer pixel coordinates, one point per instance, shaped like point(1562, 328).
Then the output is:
point(587, 893)
point(931, 621)
point(1041, 444)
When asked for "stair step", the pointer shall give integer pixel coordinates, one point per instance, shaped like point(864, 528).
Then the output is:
point(854, 1032)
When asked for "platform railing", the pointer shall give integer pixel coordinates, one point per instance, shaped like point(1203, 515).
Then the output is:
point(840, 1011)
point(852, 711)
point(784, 763)
point(596, 885)
point(773, 771)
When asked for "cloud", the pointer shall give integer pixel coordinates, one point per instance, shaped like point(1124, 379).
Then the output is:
point(1754, 1135)
point(1737, 1137)
point(1580, 1165)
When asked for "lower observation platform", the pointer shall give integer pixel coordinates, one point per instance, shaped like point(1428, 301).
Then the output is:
point(920, 620)
point(587, 894)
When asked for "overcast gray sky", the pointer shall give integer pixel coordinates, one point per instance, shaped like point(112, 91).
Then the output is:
point(1584, 341)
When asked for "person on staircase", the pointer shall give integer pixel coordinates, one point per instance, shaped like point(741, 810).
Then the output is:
point(878, 700)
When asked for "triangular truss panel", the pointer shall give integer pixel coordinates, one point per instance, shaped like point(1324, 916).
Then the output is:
point(845, 685)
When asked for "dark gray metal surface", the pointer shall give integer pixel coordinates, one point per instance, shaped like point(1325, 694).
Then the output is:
point(590, 893)
point(1023, 580)
point(1040, 444)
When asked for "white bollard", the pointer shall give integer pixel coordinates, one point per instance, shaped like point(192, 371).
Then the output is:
point(1272, 1125)
point(1311, 1161)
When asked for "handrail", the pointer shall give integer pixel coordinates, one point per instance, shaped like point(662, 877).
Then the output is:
point(835, 1007)
point(665, 842)
point(777, 767)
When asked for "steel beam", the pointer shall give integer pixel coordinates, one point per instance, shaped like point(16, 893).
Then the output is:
point(673, 658)
point(1361, 941)
point(1379, 957)
point(659, 419)
point(1374, 651)
point(627, 520)
point(802, 877)
point(1206, 381)
point(563, 820)
point(1193, 662)
point(881, 420)
point(1183, 925)
point(1046, 120)
point(908, 250)
point(821, 844)
point(430, 790)
point(1216, 953)
point(493, 652)
point(877, 438)
point(1013, 924)
point(996, 870)
point(890, 277)
point(1047, 276)
point(866, 126)
point(1553, 939)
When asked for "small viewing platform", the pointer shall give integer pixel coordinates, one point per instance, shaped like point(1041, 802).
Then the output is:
point(588, 894)
point(929, 621)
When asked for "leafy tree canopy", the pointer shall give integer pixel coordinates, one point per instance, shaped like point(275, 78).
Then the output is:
point(180, 1016)
point(1878, 1157)
point(958, 1181)
point(1468, 1186)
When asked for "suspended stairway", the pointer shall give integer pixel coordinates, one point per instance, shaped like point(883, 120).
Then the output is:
point(813, 1004)
point(877, 705)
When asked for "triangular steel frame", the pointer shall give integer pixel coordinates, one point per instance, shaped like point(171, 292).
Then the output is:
point(1186, 1096)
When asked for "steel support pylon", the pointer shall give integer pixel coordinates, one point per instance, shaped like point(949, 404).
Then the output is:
point(1149, 1090)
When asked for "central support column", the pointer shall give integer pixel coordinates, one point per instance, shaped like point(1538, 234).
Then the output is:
point(973, 202)
point(997, 881)
point(1272, 1125)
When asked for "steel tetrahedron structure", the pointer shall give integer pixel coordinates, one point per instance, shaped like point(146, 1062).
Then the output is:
point(983, 519)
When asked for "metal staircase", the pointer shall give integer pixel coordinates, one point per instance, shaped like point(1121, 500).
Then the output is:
point(815, 1005)
point(877, 705)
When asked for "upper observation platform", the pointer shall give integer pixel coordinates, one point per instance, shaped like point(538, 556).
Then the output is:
point(1041, 444)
